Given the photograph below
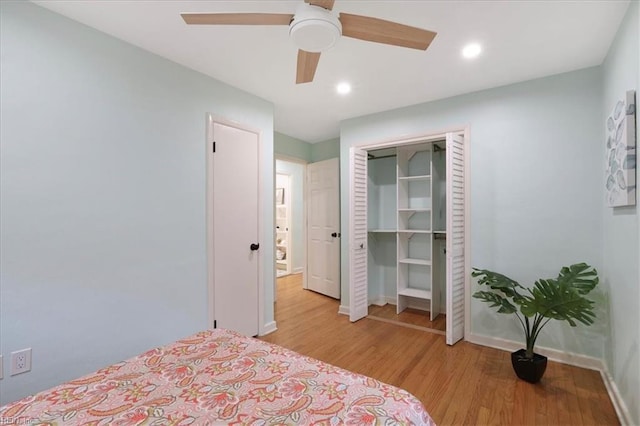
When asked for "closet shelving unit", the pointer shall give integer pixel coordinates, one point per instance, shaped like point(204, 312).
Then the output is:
point(408, 222)
point(415, 228)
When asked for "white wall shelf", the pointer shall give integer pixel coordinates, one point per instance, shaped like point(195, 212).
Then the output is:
point(414, 178)
point(415, 292)
point(417, 210)
point(411, 261)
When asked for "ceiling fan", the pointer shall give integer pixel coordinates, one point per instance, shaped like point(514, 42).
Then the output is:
point(314, 29)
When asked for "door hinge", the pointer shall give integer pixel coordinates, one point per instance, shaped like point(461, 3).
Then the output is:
point(215, 324)
point(214, 146)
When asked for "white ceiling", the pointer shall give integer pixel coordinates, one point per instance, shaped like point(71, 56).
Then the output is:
point(522, 40)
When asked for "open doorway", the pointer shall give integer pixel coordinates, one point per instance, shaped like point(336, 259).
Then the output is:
point(290, 223)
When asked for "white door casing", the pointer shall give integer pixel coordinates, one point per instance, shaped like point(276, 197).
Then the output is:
point(284, 230)
point(456, 276)
point(358, 297)
point(323, 227)
point(233, 225)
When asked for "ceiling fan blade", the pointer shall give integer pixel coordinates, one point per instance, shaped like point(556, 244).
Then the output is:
point(307, 64)
point(386, 32)
point(237, 18)
point(327, 4)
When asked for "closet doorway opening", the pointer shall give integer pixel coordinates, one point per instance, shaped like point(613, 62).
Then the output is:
point(409, 229)
point(290, 219)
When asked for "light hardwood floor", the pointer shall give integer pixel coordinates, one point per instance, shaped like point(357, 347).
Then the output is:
point(464, 384)
point(408, 317)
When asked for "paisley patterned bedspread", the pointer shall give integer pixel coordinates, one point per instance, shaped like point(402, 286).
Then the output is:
point(219, 377)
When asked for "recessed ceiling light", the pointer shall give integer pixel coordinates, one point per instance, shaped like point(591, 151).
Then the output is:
point(343, 88)
point(471, 50)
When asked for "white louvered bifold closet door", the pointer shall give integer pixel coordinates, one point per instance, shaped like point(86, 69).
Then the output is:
point(358, 300)
point(455, 237)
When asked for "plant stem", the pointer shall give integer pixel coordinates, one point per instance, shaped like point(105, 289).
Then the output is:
point(530, 342)
point(535, 337)
point(532, 335)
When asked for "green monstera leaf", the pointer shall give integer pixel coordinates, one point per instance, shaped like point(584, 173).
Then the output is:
point(500, 283)
point(496, 300)
point(560, 300)
point(580, 276)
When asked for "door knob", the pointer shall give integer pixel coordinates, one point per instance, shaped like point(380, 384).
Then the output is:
point(334, 234)
point(254, 246)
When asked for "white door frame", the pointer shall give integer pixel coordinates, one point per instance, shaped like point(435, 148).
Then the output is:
point(431, 137)
point(304, 211)
point(289, 223)
point(210, 120)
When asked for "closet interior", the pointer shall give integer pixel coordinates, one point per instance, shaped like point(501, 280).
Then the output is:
point(406, 217)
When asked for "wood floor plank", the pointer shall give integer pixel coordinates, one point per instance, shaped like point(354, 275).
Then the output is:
point(461, 384)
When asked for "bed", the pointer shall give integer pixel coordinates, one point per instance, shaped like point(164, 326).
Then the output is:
point(219, 377)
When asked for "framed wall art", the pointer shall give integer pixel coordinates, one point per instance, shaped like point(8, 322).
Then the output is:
point(620, 178)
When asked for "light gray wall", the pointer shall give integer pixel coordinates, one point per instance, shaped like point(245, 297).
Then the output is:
point(102, 180)
point(296, 171)
point(325, 150)
point(292, 147)
point(536, 185)
point(620, 273)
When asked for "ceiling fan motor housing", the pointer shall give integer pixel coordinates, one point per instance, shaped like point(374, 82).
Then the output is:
point(314, 29)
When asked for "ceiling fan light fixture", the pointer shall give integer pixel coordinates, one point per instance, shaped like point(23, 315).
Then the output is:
point(315, 29)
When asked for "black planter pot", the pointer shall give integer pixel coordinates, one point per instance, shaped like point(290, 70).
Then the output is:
point(528, 369)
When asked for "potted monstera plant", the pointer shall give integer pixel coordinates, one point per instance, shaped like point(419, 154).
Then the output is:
point(562, 298)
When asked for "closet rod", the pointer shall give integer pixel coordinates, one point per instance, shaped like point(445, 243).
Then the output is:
point(371, 157)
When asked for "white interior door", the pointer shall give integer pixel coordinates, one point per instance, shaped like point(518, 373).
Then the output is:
point(234, 225)
point(323, 227)
point(455, 237)
point(358, 298)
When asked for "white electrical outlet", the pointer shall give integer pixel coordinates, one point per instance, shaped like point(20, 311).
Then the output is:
point(20, 361)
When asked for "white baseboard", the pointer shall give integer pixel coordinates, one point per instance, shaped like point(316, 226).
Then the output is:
point(569, 358)
point(298, 270)
point(616, 399)
point(344, 310)
point(379, 301)
point(268, 328)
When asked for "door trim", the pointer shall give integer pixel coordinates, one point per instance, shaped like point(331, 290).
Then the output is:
point(429, 137)
point(210, 119)
point(289, 223)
